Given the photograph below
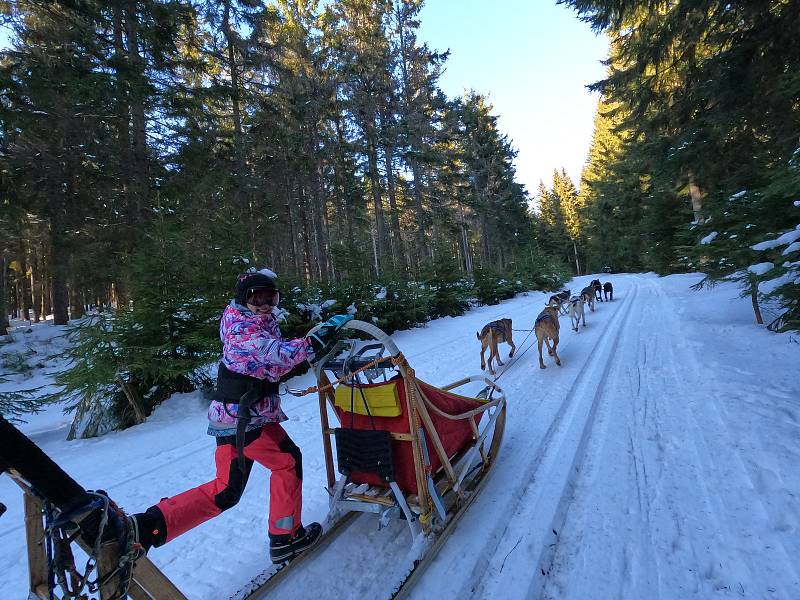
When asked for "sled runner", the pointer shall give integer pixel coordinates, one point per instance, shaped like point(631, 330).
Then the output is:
point(404, 450)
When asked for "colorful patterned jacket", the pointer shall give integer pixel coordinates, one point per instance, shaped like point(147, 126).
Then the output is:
point(252, 345)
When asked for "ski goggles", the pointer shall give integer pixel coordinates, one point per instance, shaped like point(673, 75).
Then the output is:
point(263, 297)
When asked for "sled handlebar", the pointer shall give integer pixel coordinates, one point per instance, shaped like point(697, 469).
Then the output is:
point(355, 363)
point(369, 328)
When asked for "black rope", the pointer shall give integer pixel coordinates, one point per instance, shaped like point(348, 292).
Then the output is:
point(516, 356)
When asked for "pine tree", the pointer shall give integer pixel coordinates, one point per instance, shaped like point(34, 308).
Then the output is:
point(707, 91)
point(553, 236)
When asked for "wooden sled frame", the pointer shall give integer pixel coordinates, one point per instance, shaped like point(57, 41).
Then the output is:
point(147, 581)
point(438, 494)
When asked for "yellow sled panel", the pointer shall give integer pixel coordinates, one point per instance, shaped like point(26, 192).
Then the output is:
point(381, 399)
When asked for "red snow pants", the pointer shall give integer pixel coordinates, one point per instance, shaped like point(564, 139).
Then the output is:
point(269, 446)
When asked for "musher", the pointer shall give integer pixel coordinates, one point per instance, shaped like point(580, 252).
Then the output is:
point(254, 358)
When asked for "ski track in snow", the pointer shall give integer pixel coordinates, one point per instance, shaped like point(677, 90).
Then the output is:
point(659, 462)
point(544, 480)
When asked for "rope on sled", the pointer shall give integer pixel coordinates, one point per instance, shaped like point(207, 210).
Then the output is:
point(517, 356)
point(61, 561)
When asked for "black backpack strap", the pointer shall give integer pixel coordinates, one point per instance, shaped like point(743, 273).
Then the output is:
point(242, 421)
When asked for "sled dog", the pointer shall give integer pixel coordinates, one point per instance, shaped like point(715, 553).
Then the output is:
point(598, 289)
point(546, 329)
point(576, 313)
point(492, 334)
point(587, 294)
point(608, 290)
point(560, 301)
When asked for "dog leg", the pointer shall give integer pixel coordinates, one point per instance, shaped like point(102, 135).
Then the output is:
point(483, 359)
point(549, 348)
point(513, 347)
point(541, 360)
point(496, 351)
point(555, 354)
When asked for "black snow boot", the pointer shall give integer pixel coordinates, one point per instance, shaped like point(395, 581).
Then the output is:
point(285, 547)
point(149, 528)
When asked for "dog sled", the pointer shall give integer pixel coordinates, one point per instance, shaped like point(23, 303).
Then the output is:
point(398, 448)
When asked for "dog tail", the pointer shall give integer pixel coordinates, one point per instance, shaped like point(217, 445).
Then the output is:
point(478, 334)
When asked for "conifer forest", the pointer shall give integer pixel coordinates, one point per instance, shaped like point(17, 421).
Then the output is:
point(151, 150)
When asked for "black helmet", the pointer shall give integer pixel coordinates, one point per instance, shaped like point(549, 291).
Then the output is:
point(252, 280)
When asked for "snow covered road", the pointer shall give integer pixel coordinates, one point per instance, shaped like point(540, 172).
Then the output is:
point(659, 462)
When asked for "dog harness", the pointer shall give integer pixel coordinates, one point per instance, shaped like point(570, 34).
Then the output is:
point(542, 316)
point(498, 328)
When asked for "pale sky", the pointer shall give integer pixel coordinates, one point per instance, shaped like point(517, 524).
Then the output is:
point(533, 59)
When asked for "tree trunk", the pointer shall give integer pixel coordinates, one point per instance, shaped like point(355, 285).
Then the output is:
point(60, 274)
point(76, 310)
point(318, 196)
point(306, 234)
point(377, 202)
point(416, 193)
point(25, 283)
point(292, 232)
point(3, 307)
point(754, 300)
point(47, 289)
point(123, 108)
point(140, 177)
point(36, 286)
point(697, 200)
point(241, 194)
point(398, 249)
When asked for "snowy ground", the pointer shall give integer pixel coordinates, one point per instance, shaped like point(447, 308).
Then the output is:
point(661, 461)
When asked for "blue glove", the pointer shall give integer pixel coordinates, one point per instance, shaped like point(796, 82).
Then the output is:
point(324, 334)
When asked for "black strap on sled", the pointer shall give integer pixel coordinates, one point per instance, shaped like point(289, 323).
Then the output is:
point(365, 451)
point(353, 385)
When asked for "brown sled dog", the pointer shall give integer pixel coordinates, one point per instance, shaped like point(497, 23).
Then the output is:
point(492, 334)
point(546, 329)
